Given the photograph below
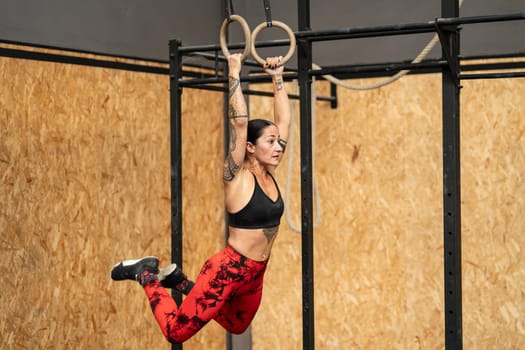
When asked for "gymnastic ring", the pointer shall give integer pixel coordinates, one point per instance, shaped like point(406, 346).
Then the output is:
point(247, 36)
point(284, 27)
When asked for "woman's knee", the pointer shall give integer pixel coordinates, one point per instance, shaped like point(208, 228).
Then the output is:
point(183, 329)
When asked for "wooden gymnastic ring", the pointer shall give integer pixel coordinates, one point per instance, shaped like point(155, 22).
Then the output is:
point(247, 36)
point(284, 27)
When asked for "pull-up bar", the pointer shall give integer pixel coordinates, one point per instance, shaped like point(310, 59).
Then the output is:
point(364, 32)
point(399, 29)
point(391, 67)
point(358, 32)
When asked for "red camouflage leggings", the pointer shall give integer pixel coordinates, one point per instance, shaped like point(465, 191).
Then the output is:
point(228, 290)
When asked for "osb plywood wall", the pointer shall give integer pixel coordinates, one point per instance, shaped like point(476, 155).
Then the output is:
point(84, 182)
point(378, 236)
point(493, 193)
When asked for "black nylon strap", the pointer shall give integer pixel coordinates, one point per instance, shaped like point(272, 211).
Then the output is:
point(268, 12)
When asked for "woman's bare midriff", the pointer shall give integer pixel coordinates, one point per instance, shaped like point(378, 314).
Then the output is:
point(255, 244)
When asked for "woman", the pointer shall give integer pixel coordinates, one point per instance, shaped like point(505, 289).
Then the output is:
point(229, 286)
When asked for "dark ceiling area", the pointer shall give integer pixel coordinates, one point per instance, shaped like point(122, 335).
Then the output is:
point(132, 28)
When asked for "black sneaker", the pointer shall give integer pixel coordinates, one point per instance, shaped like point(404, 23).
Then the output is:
point(132, 269)
point(171, 276)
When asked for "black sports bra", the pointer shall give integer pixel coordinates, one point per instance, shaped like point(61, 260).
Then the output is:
point(260, 212)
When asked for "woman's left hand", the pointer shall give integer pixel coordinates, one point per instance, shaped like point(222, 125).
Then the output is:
point(273, 65)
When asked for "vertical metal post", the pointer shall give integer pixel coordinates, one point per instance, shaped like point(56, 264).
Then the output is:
point(307, 244)
point(452, 182)
point(176, 160)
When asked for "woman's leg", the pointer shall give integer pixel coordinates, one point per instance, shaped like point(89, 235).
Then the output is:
point(237, 315)
point(228, 289)
point(203, 303)
point(242, 304)
point(178, 324)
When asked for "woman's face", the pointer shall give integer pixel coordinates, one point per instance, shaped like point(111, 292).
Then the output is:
point(267, 149)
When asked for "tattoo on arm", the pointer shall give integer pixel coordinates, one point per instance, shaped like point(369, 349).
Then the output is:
point(234, 85)
point(279, 84)
point(230, 167)
point(236, 105)
point(233, 113)
point(270, 233)
point(236, 102)
point(233, 116)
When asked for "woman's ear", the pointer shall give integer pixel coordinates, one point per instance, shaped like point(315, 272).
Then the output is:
point(250, 147)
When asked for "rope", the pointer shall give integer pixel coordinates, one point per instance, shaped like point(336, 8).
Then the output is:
point(287, 190)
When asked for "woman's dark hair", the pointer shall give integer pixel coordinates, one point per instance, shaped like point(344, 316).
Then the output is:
point(256, 127)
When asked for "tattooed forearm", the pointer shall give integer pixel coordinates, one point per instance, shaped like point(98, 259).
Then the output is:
point(233, 113)
point(233, 139)
point(230, 169)
point(279, 84)
point(236, 106)
point(234, 85)
point(236, 111)
point(270, 233)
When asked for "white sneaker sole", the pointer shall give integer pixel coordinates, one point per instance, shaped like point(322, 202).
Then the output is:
point(163, 273)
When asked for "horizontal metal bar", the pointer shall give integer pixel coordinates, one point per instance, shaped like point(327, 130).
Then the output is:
point(492, 66)
point(96, 53)
point(363, 32)
point(397, 29)
point(493, 56)
point(83, 61)
point(388, 68)
point(363, 71)
point(291, 96)
point(224, 79)
point(492, 75)
point(481, 19)
point(221, 58)
point(258, 93)
point(234, 46)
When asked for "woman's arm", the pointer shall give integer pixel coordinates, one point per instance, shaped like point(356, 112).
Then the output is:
point(281, 104)
point(238, 120)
